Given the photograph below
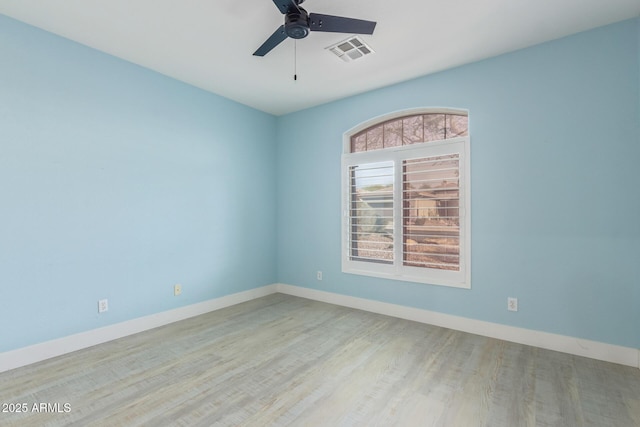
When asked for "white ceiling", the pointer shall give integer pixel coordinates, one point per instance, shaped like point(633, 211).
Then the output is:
point(209, 43)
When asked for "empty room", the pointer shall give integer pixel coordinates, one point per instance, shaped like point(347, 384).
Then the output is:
point(320, 213)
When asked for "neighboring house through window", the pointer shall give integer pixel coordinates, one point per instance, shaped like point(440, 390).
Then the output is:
point(405, 186)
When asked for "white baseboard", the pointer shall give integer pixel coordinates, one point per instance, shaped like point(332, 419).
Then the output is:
point(46, 350)
point(576, 346)
point(579, 347)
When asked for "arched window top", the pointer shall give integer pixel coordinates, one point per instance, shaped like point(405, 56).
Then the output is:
point(412, 128)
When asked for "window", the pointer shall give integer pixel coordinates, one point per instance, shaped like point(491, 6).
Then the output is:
point(406, 198)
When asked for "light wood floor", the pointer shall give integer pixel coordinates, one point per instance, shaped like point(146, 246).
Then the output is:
point(281, 360)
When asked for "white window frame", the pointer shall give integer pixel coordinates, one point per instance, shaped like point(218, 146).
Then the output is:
point(398, 271)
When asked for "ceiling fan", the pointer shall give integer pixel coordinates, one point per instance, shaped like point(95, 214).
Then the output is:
point(298, 23)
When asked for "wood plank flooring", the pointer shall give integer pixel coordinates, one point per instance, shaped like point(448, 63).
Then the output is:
point(287, 361)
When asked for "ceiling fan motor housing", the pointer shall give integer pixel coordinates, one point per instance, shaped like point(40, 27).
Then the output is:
point(296, 23)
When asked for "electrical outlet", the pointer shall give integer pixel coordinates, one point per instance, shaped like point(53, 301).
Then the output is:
point(177, 290)
point(103, 305)
point(512, 304)
point(319, 275)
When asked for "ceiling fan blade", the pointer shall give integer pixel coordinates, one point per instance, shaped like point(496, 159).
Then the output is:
point(276, 38)
point(285, 5)
point(339, 24)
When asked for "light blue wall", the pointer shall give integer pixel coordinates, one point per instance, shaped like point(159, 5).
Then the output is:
point(117, 182)
point(555, 178)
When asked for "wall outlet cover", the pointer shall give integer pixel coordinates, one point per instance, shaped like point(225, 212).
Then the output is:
point(103, 305)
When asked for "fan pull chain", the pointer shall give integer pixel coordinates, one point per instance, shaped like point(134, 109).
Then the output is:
point(295, 60)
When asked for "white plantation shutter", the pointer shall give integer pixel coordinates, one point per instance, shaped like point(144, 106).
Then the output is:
point(431, 212)
point(371, 212)
point(406, 207)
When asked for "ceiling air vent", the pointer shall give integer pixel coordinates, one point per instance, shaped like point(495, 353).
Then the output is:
point(351, 49)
